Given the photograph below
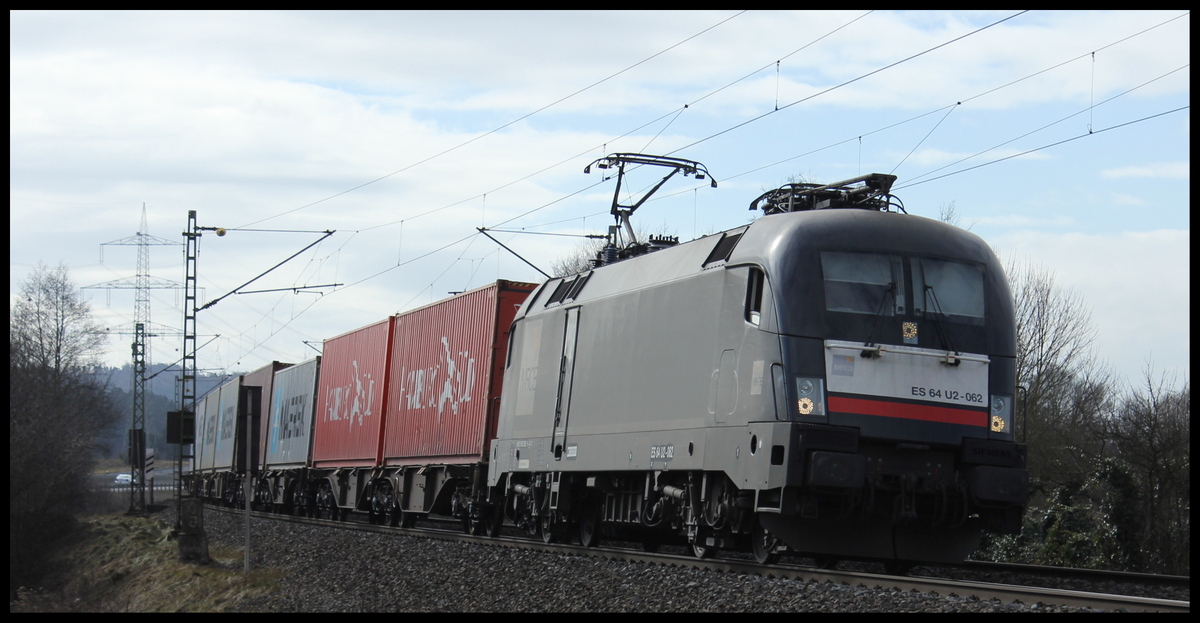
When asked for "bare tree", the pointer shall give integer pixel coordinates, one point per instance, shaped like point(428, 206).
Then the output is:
point(580, 258)
point(1150, 433)
point(1112, 472)
point(52, 324)
point(55, 412)
point(948, 214)
point(1067, 388)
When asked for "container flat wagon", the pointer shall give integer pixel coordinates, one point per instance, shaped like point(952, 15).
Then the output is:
point(407, 406)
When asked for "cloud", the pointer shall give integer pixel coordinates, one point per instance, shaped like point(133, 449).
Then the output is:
point(283, 120)
point(1137, 284)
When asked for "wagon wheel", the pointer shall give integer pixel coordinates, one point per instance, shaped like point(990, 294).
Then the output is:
point(326, 501)
point(483, 516)
point(495, 521)
point(289, 499)
point(381, 503)
point(266, 495)
point(301, 499)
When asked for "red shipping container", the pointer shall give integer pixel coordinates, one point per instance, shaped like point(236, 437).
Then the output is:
point(351, 397)
point(446, 376)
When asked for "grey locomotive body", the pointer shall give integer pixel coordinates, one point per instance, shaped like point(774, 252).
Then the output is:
point(835, 381)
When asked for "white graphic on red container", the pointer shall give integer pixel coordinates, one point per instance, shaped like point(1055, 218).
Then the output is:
point(420, 389)
point(352, 401)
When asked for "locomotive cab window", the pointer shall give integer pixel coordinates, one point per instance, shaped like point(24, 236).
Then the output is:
point(863, 283)
point(949, 290)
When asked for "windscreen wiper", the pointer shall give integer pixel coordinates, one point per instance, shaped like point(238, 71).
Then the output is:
point(889, 293)
point(938, 320)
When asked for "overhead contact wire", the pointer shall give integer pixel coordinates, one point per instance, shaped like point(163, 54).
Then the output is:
point(495, 130)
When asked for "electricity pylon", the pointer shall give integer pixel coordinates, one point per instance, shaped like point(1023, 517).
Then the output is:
point(142, 283)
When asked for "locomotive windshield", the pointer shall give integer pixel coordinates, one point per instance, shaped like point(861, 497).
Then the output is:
point(953, 290)
point(863, 283)
point(869, 296)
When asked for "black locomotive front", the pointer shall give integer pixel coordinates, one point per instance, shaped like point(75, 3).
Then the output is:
point(898, 344)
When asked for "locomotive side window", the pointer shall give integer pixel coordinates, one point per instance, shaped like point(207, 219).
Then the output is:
point(512, 336)
point(754, 295)
point(863, 283)
point(953, 290)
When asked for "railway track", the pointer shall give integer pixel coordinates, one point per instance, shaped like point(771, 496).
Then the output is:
point(916, 581)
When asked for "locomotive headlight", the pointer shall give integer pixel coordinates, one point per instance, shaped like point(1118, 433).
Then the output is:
point(811, 397)
point(1000, 416)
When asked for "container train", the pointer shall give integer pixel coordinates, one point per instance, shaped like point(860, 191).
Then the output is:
point(835, 378)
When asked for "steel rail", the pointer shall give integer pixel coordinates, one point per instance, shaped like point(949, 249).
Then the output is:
point(984, 591)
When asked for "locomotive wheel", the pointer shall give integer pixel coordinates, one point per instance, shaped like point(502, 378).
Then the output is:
point(589, 529)
point(530, 525)
point(589, 525)
point(700, 547)
point(764, 544)
point(825, 562)
point(548, 528)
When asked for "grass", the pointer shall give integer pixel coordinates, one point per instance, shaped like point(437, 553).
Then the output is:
point(118, 563)
point(104, 466)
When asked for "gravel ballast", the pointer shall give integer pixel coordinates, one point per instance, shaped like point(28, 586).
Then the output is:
point(333, 570)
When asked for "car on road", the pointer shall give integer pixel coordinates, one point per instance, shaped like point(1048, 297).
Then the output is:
point(124, 479)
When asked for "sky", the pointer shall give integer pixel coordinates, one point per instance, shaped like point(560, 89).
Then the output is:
point(1061, 138)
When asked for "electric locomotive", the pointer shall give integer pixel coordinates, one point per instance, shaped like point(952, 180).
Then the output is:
point(835, 378)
